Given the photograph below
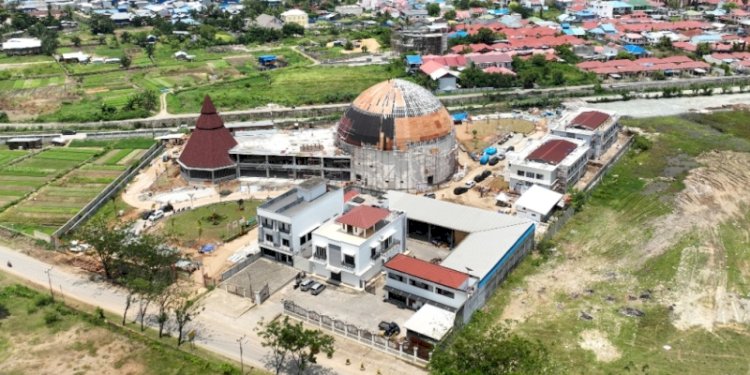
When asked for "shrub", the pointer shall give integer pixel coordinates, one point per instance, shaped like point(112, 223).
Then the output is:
point(641, 143)
point(51, 317)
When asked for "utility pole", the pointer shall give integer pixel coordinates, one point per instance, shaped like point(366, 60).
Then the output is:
point(49, 279)
point(242, 363)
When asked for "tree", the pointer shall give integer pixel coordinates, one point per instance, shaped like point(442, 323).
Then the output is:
point(101, 24)
point(348, 46)
point(478, 351)
point(185, 310)
point(150, 50)
point(665, 43)
point(291, 343)
point(125, 37)
point(291, 29)
point(107, 243)
point(76, 40)
point(433, 9)
point(4, 117)
point(49, 43)
point(484, 35)
point(703, 49)
point(163, 301)
point(125, 60)
point(450, 15)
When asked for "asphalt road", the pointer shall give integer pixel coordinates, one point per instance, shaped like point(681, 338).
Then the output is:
point(222, 322)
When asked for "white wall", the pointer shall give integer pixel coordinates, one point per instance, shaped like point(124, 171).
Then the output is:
point(431, 294)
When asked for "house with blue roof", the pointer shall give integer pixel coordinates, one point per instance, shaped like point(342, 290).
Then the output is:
point(413, 62)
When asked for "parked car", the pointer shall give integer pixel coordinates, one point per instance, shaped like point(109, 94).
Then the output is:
point(317, 288)
point(186, 265)
point(474, 156)
point(158, 214)
point(68, 132)
point(146, 214)
point(430, 195)
point(486, 173)
point(460, 190)
point(470, 184)
point(494, 160)
point(478, 178)
point(392, 330)
point(510, 148)
point(306, 284)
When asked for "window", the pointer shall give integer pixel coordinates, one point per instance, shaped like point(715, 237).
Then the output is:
point(539, 177)
point(530, 174)
point(349, 260)
point(395, 277)
point(373, 251)
point(521, 173)
point(269, 238)
point(285, 228)
point(284, 242)
point(419, 284)
point(320, 252)
point(303, 240)
point(387, 243)
point(445, 293)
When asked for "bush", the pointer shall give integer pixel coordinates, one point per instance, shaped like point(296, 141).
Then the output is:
point(43, 300)
point(51, 317)
point(641, 143)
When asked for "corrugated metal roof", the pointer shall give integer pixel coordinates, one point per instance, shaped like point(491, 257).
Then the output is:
point(427, 271)
point(590, 119)
point(539, 199)
point(552, 152)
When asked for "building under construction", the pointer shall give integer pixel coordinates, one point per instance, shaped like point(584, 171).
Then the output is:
point(399, 137)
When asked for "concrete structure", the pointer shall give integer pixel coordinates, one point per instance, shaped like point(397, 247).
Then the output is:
point(295, 16)
point(537, 203)
point(429, 325)
point(24, 143)
point(267, 21)
point(484, 247)
point(420, 40)
point(597, 128)
point(22, 46)
point(290, 154)
point(553, 162)
point(286, 223)
point(399, 136)
point(445, 78)
point(351, 249)
point(206, 154)
point(349, 10)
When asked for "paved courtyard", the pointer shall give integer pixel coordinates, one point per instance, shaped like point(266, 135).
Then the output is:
point(263, 271)
point(425, 250)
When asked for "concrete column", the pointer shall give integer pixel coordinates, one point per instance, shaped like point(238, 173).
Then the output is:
point(415, 353)
point(268, 168)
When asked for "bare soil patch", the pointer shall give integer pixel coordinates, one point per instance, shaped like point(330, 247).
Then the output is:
point(597, 342)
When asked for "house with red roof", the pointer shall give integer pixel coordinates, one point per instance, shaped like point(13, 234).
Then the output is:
point(351, 249)
point(411, 280)
point(553, 162)
point(206, 154)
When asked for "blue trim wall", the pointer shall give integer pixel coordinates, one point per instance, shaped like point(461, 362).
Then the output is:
point(507, 255)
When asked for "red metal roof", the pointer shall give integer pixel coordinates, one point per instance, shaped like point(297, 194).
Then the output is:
point(363, 216)
point(552, 151)
point(427, 271)
point(349, 195)
point(590, 120)
point(208, 146)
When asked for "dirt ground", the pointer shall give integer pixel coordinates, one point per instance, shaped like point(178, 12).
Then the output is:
point(372, 46)
point(489, 130)
point(715, 192)
point(79, 350)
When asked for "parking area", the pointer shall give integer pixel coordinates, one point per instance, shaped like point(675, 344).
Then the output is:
point(263, 271)
point(362, 309)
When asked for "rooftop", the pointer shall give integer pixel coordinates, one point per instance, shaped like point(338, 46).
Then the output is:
point(539, 199)
point(363, 216)
point(552, 152)
point(483, 227)
point(427, 271)
point(22, 43)
point(311, 142)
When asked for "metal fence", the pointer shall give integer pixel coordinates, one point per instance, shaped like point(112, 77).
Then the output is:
point(399, 349)
point(239, 266)
point(111, 189)
point(600, 174)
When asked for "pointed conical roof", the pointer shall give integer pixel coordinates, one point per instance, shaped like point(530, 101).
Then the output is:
point(209, 145)
point(209, 118)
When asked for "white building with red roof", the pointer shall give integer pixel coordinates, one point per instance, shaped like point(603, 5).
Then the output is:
point(597, 128)
point(553, 162)
point(352, 248)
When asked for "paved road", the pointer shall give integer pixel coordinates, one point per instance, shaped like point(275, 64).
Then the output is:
point(224, 319)
point(671, 106)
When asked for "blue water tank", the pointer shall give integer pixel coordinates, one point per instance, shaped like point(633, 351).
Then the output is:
point(485, 158)
point(490, 151)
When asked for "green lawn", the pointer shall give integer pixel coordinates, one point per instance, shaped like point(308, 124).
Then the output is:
point(610, 233)
point(195, 227)
point(40, 335)
point(286, 86)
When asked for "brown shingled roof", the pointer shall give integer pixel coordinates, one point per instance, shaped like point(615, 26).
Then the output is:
point(590, 120)
point(552, 152)
point(208, 146)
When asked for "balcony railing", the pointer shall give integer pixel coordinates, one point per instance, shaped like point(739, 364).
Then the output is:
point(348, 266)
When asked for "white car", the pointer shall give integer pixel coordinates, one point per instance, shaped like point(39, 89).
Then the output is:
point(158, 214)
point(470, 184)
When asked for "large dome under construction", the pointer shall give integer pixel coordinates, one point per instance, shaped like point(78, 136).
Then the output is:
point(399, 136)
point(392, 115)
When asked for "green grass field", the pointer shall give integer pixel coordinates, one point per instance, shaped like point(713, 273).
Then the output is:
point(287, 86)
point(603, 245)
point(193, 227)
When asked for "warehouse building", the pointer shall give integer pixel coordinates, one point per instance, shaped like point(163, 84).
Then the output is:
point(22, 46)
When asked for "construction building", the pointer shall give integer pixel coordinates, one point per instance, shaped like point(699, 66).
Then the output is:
point(399, 137)
point(419, 39)
point(552, 162)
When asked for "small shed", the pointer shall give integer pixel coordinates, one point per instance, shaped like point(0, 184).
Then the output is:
point(429, 325)
point(267, 60)
point(24, 143)
point(537, 203)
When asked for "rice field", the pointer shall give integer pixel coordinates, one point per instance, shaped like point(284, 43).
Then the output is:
point(42, 192)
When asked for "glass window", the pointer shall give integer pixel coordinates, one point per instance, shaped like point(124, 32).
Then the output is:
point(320, 252)
point(445, 293)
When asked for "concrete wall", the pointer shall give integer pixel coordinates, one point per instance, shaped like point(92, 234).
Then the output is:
point(429, 294)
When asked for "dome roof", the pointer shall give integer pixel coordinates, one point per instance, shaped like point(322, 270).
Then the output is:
point(393, 114)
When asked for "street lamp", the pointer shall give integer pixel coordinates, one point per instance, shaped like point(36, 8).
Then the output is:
point(49, 279)
point(242, 363)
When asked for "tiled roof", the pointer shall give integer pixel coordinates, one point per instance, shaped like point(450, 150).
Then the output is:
point(552, 152)
point(427, 271)
point(209, 144)
point(590, 120)
point(363, 216)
